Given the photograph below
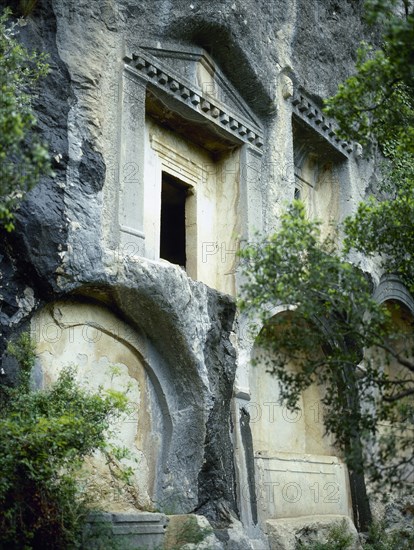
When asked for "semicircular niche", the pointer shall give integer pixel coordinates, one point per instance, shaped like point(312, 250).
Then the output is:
point(104, 351)
point(396, 367)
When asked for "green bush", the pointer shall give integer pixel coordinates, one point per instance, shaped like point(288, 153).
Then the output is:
point(190, 532)
point(380, 539)
point(44, 438)
point(339, 538)
point(23, 157)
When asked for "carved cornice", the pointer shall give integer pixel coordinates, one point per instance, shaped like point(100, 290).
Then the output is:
point(169, 81)
point(306, 110)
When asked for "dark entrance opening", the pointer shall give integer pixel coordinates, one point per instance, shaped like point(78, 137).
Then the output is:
point(172, 239)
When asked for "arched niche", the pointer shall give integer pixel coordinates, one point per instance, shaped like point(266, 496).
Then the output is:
point(402, 342)
point(106, 352)
point(391, 288)
point(393, 294)
point(297, 470)
point(320, 191)
point(402, 319)
point(318, 172)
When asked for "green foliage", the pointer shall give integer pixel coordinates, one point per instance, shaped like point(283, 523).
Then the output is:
point(376, 103)
point(190, 532)
point(23, 350)
point(378, 538)
point(386, 229)
point(339, 538)
point(375, 106)
point(334, 324)
point(44, 438)
point(100, 536)
point(330, 319)
point(23, 158)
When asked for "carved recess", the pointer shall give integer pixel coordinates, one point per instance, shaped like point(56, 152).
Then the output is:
point(306, 110)
point(187, 93)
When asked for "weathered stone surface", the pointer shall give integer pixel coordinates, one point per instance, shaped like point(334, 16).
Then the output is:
point(308, 37)
point(285, 534)
point(188, 333)
point(30, 255)
point(91, 169)
point(396, 516)
point(190, 532)
point(236, 538)
point(82, 39)
point(183, 323)
point(324, 39)
point(67, 248)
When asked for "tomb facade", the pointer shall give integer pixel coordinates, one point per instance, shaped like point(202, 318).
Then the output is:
point(179, 130)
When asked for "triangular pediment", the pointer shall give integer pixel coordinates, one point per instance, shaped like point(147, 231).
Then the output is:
point(190, 75)
point(197, 66)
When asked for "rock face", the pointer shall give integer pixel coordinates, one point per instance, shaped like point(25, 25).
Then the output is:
point(286, 535)
point(31, 255)
point(137, 90)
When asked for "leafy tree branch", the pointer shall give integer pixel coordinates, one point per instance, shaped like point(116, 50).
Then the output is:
point(23, 156)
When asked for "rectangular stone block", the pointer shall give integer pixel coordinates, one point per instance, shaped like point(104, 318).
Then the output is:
point(140, 530)
point(294, 485)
